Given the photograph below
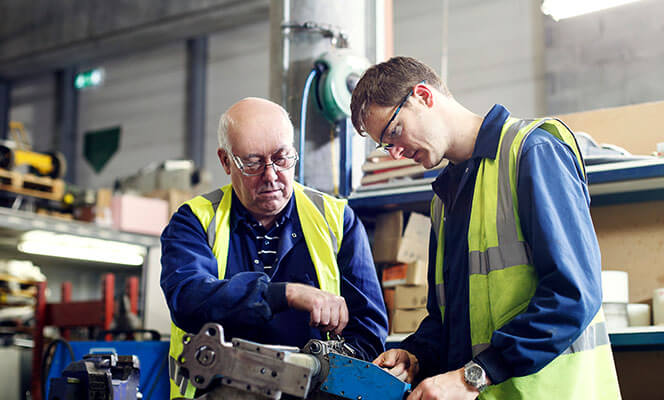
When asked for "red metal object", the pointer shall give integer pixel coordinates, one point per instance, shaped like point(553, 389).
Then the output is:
point(38, 339)
point(66, 298)
point(68, 314)
point(132, 291)
point(108, 296)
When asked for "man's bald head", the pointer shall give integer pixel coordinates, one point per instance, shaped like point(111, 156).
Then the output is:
point(251, 110)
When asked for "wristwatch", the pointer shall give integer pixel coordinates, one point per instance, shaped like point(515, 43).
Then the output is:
point(474, 375)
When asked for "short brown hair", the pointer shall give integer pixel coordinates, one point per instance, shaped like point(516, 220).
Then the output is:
point(387, 83)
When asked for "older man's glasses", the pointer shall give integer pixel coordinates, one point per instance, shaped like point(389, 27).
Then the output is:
point(255, 168)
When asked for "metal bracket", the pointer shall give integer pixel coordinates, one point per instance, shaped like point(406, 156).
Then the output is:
point(252, 367)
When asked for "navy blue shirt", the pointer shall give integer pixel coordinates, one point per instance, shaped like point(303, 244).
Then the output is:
point(266, 241)
point(251, 303)
point(553, 202)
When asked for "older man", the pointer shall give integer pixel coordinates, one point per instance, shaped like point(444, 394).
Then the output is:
point(269, 259)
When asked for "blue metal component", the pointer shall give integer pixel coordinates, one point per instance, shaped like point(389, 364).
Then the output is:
point(303, 123)
point(152, 355)
point(628, 171)
point(345, 129)
point(637, 341)
point(355, 379)
point(98, 376)
point(627, 197)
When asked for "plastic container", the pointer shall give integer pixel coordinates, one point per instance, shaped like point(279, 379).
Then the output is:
point(658, 306)
point(616, 316)
point(638, 314)
point(615, 287)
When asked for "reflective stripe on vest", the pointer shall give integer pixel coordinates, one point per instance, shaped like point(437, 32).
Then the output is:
point(214, 198)
point(321, 219)
point(437, 222)
point(503, 280)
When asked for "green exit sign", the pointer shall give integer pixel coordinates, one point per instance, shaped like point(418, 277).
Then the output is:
point(89, 78)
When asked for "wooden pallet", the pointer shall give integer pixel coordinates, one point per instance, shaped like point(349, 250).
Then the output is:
point(12, 278)
point(32, 185)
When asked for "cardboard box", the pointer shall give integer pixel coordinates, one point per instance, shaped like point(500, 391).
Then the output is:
point(103, 215)
point(391, 246)
point(388, 296)
point(387, 237)
point(415, 240)
point(410, 296)
point(104, 196)
point(139, 214)
point(613, 125)
point(405, 321)
point(416, 273)
point(174, 197)
point(394, 275)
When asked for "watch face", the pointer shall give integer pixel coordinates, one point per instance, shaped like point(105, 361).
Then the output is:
point(474, 373)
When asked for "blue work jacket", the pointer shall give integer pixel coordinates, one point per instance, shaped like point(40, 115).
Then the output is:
point(251, 304)
point(565, 254)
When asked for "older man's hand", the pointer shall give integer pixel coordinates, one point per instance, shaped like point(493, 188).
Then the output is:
point(328, 311)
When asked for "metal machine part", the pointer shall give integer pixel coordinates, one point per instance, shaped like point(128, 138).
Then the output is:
point(337, 37)
point(244, 370)
point(261, 370)
point(98, 376)
point(336, 344)
point(350, 378)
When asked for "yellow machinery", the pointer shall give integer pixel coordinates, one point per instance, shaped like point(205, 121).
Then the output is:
point(18, 152)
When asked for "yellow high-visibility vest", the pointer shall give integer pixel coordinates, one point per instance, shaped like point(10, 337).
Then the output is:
point(503, 279)
point(322, 220)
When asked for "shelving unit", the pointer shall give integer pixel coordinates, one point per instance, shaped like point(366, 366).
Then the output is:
point(613, 183)
point(155, 313)
point(23, 221)
point(626, 182)
point(638, 338)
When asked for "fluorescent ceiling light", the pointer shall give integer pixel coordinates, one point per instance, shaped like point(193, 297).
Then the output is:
point(81, 248)
point(561, 9)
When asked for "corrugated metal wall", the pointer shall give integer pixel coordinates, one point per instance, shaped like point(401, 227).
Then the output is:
point(499, 51)
point(144, 95)
point(610, 58)
point(238, 68)
point(33, 104)
point(494, 49)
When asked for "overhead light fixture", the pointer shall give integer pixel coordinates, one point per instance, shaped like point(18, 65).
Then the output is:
point(561, 9)
point(81, 248)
